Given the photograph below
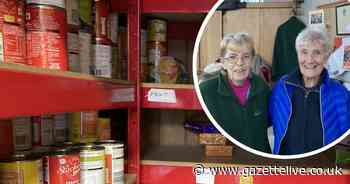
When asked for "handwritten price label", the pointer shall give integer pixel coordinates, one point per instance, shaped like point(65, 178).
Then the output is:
point(162, 95)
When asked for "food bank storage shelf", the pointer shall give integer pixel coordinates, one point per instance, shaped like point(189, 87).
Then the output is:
point(33, 91)
point(179, 96)
point(160, 6)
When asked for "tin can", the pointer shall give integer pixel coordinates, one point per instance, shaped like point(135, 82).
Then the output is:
point(12, 11)
point(114, 161)
point(100, 18)
point(85, 52)
point(92, 164)
point(47, 50)
point(22, 170)
point(73, 62)
point(85, 14)
point(22, 133)
point(157, 30)
point(46, 18)
point(113, 21)
point(57, 3)
point(62, 166)
point(83, 127)
point(155, 51)
point(60, 127)
point(73, 42)
point(72, 12)
point(14, 44)
point(43, 130)
point(102, 60)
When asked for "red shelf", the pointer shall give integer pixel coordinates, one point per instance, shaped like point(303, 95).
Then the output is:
point(168, 6)
point(186, 97)
point(34, 91)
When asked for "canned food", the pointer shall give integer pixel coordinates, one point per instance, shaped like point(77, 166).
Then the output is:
point(157, 30)
point(85, 12)
point(113, 27)
point(60, 127)
point(73, 42)
point(62, 166)
point(22, 133)
point(14, 44)
point(12, 11)
point(58, 3)
point(85, 52)
point(72, 11)
point(92, 164)
point(47, 50)
point(114, 161)
point(20, 169)
point(83, 127)
point(46, 18)
point(102, 60)
point(43, 129)
point(100, 17)
point(155, 51)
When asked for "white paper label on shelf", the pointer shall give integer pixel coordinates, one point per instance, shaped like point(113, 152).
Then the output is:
point(205, 178)
point(162, 95)
point(123, 95)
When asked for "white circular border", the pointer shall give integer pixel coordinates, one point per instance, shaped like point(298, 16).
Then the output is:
point(222, 131)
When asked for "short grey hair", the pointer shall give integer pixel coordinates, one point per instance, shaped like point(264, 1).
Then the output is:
point(239, 38)
point(314, 33)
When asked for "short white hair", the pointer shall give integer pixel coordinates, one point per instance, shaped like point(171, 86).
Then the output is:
point(314, 33)
point(239, 38)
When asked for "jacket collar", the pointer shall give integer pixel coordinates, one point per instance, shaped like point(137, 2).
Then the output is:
point(295, 78)
point(224, 87)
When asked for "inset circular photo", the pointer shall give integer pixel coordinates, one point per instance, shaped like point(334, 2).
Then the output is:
point(269, 81)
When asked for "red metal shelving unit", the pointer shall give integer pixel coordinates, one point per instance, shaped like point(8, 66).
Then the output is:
point(33, 91)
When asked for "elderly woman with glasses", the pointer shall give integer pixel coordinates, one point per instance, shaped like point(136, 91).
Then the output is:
point(308, 110)
point(237, 98)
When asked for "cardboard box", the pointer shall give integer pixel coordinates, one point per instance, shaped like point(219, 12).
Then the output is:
point(212, 138)
point(218, 150)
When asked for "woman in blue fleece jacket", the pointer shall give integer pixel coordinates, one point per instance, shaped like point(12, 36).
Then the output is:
point(308, 110)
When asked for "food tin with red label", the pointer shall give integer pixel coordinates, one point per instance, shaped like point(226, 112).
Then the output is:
point(101, 10)
point(47, 50)
point(46, 18)
point(14, 44)
point(12, 11)
point(57, 3)
point(62, 166)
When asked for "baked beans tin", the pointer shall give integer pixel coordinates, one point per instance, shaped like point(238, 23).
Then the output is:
point(72, 12)
point(43, 129)
point(102, 60)
point(13, 49)
point(47, 50)
point(46, 18)
point(92, 164)
point(113, 21)
point(85, 52)
point(62, 166)
point(100, 18)
point(157, 30)
point(12, 11)
point(73, 42)
point(114, 161)
point(22, 133)
point(57, 3)
point(60, 127)
point(83, 127)
point(22, 170)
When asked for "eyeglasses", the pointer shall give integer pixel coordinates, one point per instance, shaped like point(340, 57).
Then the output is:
point(237, 59)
